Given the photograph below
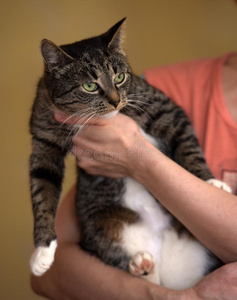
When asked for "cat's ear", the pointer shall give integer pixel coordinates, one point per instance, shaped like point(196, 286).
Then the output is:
point(115, 36)
point(54, 56)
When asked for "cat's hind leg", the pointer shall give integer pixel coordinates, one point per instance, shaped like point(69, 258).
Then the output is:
point(143, 246)
point(141, 264)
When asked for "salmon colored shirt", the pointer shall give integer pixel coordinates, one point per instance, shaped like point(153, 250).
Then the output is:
point(196, 86)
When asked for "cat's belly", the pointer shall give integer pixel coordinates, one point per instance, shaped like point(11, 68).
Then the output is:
point(147, 233)
point(173, 254)
point(175, 266)
point(137, 198)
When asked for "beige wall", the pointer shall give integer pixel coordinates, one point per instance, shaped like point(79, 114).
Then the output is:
point(158, 32)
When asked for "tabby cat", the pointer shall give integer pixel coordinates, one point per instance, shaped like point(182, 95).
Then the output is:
point(90, 79)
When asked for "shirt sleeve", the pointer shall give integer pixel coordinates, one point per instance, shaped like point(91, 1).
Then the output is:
point(176, 81)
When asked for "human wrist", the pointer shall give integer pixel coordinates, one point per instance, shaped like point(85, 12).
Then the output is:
point(162, 293)
point(147, 157)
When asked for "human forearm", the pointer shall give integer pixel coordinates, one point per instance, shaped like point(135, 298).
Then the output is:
point(64, 280)
point(209, 213)
point(77, 275)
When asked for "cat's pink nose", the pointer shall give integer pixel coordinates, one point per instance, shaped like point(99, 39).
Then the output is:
point(113, 98)
point(115, 104)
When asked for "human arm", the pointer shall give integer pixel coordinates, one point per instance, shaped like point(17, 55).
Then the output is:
point(76, 275)
point(209, 213)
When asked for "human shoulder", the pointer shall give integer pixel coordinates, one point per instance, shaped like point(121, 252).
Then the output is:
point(180, 80)
point(187, 69)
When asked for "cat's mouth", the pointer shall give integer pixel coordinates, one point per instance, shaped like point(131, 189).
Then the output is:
point(112, 113)
point(109, 115)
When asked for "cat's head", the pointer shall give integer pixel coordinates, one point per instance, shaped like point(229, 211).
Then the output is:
point(90, 77)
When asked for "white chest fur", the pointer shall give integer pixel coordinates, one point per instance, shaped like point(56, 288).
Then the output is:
point(147, 234)
point(137, 198)
point(179, 261)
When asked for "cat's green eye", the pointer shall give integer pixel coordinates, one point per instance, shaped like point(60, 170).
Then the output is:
point(90, 86)
point(119, 78)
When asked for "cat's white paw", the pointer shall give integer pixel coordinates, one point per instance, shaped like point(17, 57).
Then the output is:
point(141, 264)
point(220, 184)
point(42, 258)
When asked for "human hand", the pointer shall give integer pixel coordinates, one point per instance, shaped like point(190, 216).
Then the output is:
point(108, 147)
point(219, 285)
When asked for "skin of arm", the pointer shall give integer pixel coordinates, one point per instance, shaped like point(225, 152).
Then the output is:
point(208, 212)
point(75, 275)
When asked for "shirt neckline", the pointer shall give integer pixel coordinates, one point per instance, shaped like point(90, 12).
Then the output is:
point(219, 95)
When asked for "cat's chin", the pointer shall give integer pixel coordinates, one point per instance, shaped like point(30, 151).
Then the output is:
point(109, 115)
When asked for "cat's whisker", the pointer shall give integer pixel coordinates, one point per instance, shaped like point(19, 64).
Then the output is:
point(141, 95)
point(78, 123)
point(81, 127)
point(141, 101)
point(79, 114)
point(70, 126)
point(140, 109)
point(88, 119)
point(131, 112)
point(137, 101)
point(67, 119)
point(51, 105)
point(149, 115)
point(48, 108)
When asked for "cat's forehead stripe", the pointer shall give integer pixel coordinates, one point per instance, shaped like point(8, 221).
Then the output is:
point(114, 68)
point(93, 73)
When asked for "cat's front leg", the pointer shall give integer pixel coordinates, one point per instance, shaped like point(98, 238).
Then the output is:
point(189, 154)
point(46, 174)
point(220, 184)
point(42, 258)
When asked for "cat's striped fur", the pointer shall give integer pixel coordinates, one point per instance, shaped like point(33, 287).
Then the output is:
point(102, 205)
